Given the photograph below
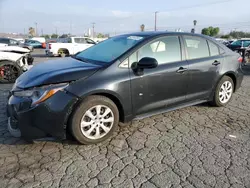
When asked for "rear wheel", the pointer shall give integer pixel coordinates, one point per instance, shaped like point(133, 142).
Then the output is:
point(94, 120)
point(63, 52)
point(224, 91)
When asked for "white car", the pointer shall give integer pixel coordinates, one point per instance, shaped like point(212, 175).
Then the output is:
point(14, 61)
point(69, 46)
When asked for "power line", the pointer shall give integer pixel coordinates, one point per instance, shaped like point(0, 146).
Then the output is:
point(166, 10)
point(197, 5)
point(70, 27)
point(206, 25)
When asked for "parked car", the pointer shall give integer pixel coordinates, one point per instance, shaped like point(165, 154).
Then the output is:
point(33, 43)
point(69, 46)
point(13, 42)
point(14, 61)
point(39, 39)
point(125, 77)
point(42, 40)
point(236, 45)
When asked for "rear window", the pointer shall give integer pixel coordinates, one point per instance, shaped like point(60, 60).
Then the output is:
point(197, 47)
point(4, 41)
point(214, 50)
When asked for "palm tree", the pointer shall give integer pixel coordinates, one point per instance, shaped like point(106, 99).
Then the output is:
point(195, 22)
point(32, 31)
point(142, 27)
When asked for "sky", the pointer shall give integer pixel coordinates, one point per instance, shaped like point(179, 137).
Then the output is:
point(116, 16)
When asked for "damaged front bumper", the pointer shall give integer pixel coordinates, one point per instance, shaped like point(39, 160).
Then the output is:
point(47, 119)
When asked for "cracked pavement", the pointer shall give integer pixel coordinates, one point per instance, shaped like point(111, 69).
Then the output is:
point(199, 146)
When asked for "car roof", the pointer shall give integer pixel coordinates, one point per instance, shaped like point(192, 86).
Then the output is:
point(159, 33)
point(32, 40)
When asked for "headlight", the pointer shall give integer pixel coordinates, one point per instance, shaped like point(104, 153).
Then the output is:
point(40, 94)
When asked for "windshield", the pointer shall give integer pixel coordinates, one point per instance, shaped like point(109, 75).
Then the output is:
point(238, 42)
point(110, 49)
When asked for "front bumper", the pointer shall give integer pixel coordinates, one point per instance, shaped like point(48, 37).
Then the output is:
point(47, 119)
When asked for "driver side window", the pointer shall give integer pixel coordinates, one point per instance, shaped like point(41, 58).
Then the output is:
point(164, 50)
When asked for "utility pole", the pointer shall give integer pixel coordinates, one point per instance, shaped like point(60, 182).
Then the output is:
point(56, 29)
point(36, 29)
point(156, 20)
point(70, 28)
point(93, 26)
point(42, 32)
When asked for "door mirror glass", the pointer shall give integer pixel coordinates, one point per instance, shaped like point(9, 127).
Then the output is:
point(147, 63)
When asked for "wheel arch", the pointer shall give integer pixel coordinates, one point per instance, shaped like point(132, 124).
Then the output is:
point(232, 76)
point(63, 49)
point(7, 60)
point(110, 95)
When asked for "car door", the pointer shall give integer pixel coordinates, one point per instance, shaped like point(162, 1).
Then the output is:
point(163, 86)
point(204, 62)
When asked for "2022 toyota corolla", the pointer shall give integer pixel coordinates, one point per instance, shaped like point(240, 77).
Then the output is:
point(125, 77)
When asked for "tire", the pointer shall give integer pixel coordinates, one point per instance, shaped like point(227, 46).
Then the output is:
point(65, 53)
point(217, 101)
point(82, 111)
point(14, 65)
point(15, 132)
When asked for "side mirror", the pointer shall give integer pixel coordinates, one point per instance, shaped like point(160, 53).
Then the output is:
point(147, 63)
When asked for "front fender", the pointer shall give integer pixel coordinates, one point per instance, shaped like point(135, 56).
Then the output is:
point(110, 82)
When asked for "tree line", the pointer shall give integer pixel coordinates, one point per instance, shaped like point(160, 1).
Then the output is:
point(236, 34)
point(209, 31)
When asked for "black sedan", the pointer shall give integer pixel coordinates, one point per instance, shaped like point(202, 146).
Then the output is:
point(122, 78)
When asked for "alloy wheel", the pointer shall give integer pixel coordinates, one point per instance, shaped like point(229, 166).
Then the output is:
point(226, 91)
point(97, 122)
point(8, 73)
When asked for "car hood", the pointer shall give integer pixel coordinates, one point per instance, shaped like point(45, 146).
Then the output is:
point(16, 49)
point(56, 71)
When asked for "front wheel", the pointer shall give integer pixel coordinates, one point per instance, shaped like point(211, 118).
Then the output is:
point(94, 120)
point(224, 91)
point(9, 72)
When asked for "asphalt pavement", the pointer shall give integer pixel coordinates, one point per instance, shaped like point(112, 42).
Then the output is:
point(199, 146)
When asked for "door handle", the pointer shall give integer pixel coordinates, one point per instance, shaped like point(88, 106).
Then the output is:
point(181, 70)
point(215, 63)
